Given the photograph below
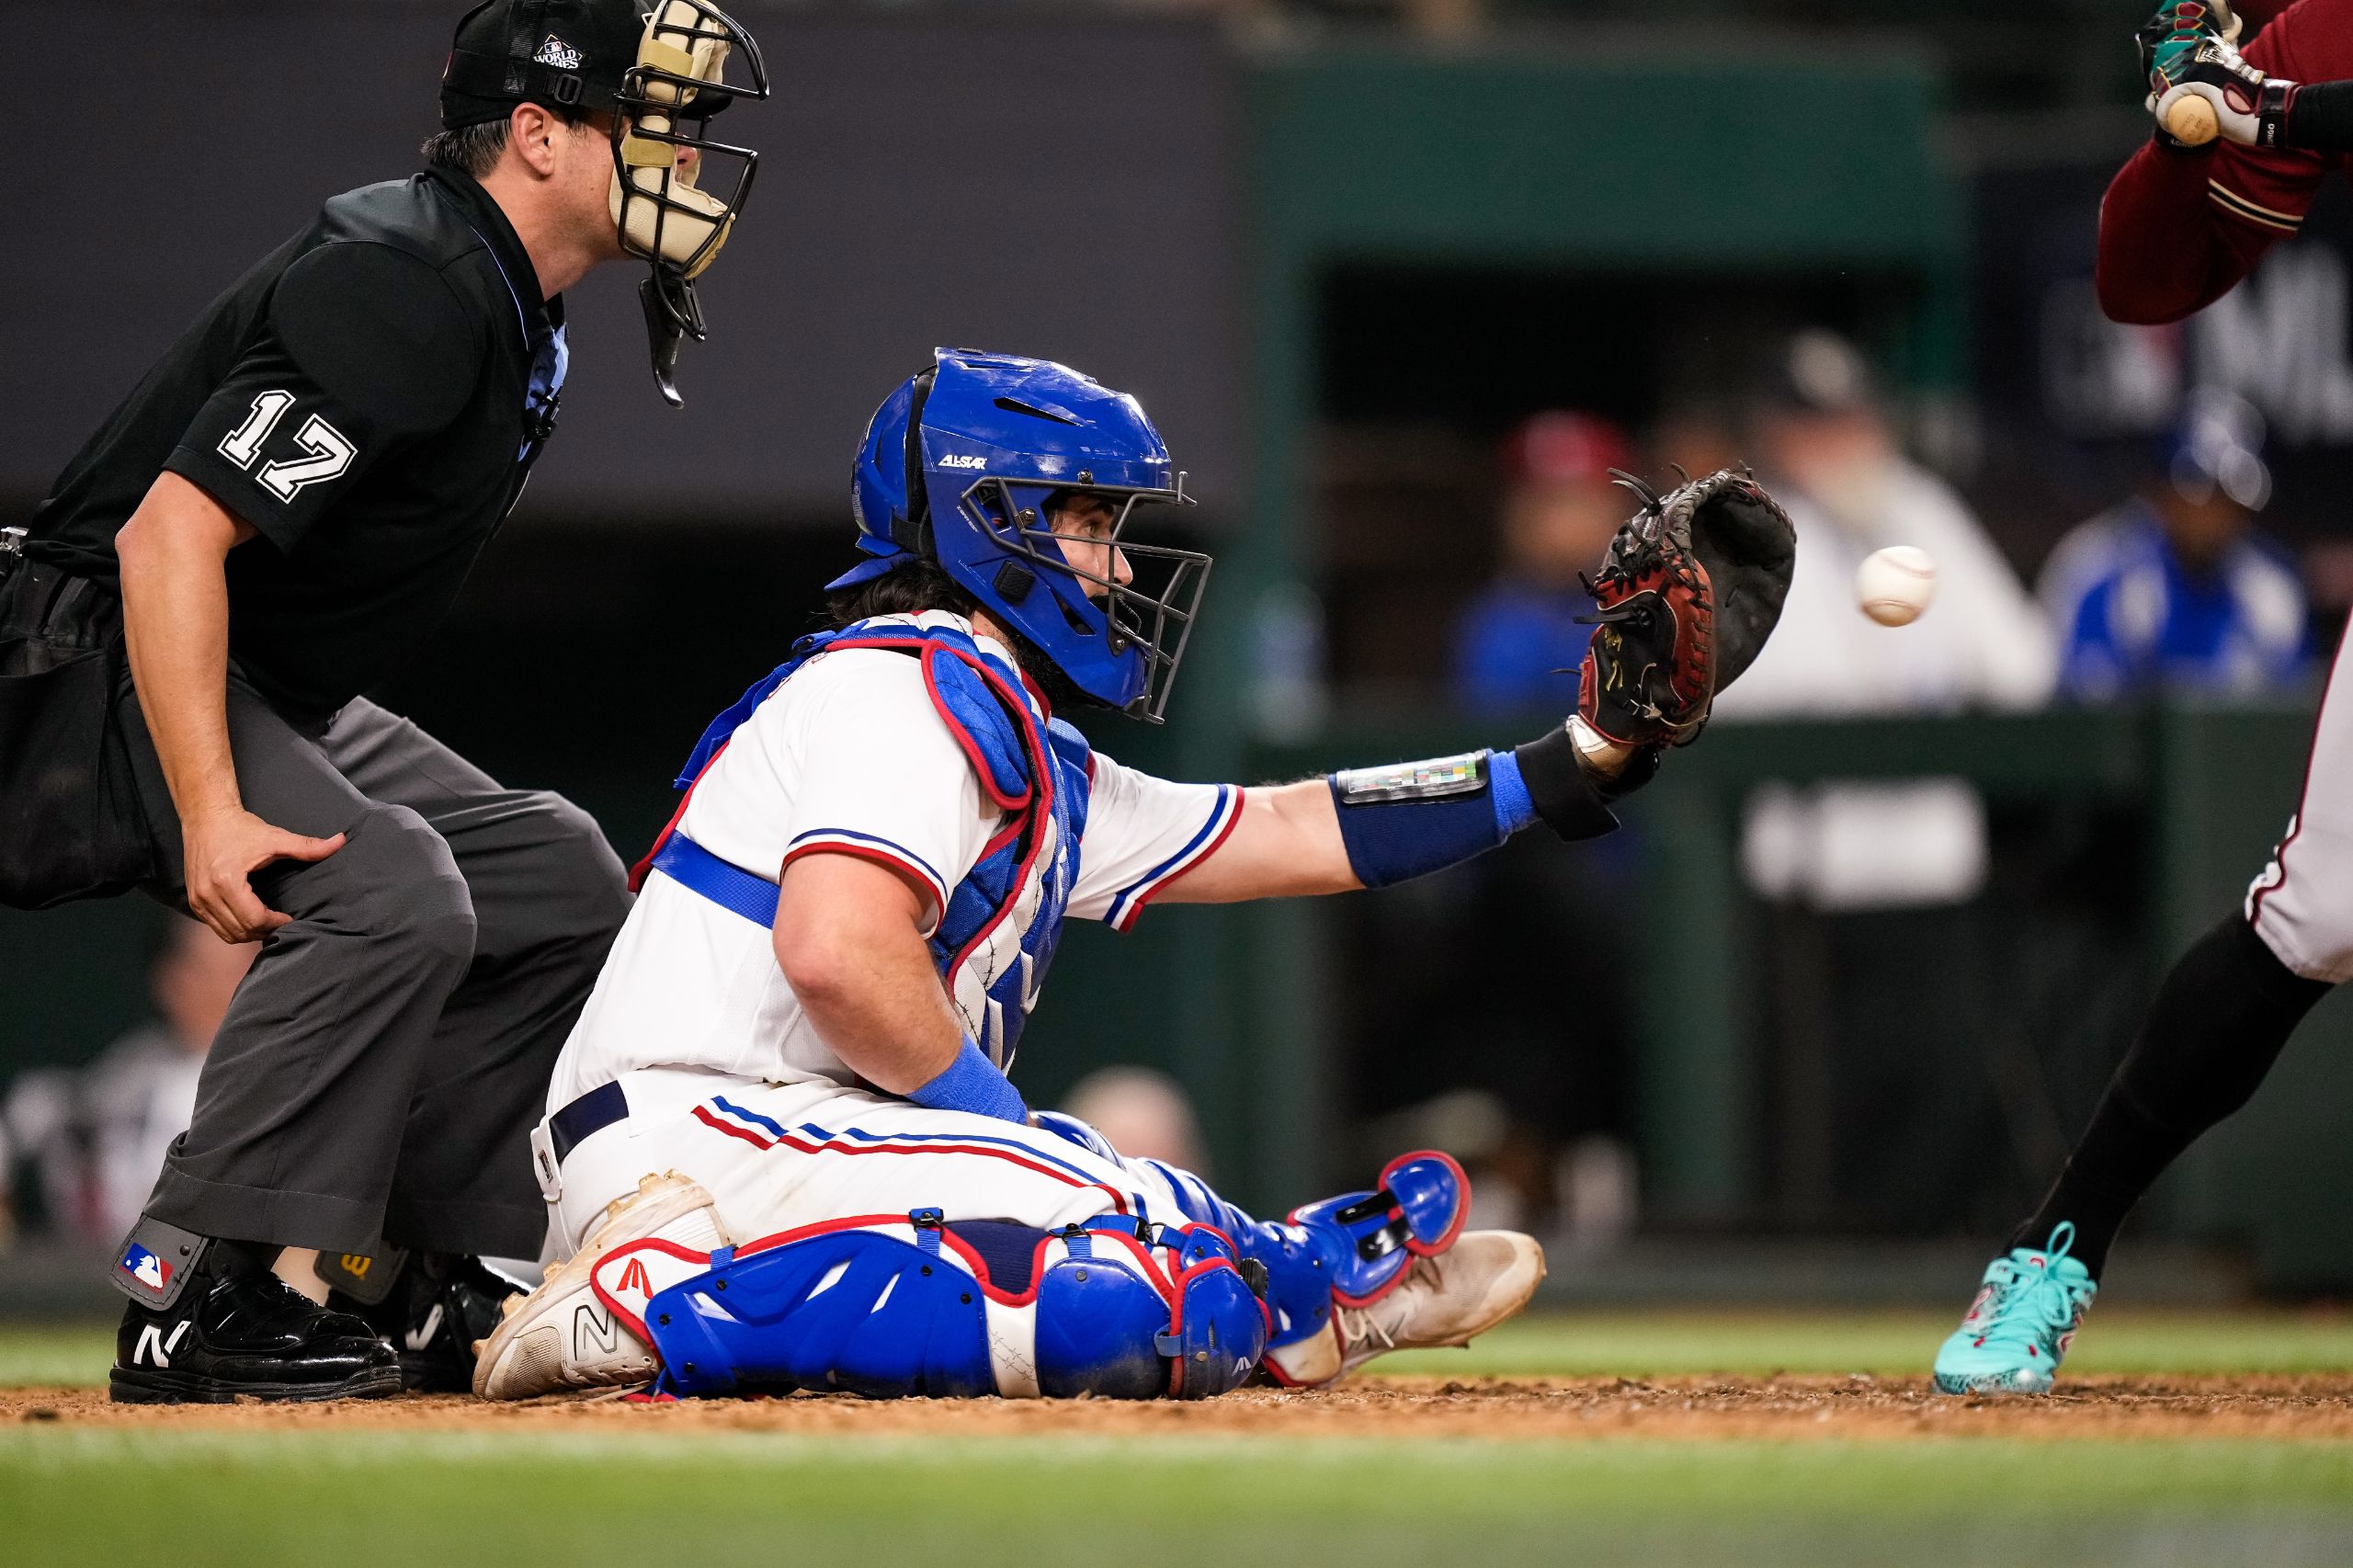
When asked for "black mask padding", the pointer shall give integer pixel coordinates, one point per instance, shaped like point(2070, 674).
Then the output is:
point(918, 493)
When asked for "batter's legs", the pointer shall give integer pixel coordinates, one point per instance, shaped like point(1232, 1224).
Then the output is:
point(2219, 1023)
point(2226, 1009)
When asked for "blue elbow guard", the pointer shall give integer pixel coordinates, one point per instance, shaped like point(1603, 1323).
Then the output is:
point(972, 1083)
point(1417, 817)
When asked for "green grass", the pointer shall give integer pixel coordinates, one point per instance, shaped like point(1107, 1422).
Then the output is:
point(80, 1496)
point(71, 1495)
point(47, 1355)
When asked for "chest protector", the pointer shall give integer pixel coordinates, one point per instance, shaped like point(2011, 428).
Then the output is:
point(998, 932)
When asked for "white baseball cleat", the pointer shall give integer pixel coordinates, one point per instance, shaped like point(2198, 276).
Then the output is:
point(1483, 1279)
point(565, 1334)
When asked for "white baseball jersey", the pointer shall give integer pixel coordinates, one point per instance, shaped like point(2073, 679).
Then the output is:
point(848, 755)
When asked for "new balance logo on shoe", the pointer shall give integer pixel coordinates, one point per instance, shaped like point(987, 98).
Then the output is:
point(420, 1337)
point(594, 1333)
point(153, 1349)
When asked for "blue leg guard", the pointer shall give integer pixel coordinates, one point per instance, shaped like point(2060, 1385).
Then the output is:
point(887, 1307)
point(1349, 1250)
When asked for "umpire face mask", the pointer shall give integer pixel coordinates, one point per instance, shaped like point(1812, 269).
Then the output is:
point(662, 158)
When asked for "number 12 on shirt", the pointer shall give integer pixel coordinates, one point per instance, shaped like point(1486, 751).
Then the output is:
point(331, 452)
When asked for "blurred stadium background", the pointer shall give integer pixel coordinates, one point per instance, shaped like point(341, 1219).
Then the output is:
point(1344, 250)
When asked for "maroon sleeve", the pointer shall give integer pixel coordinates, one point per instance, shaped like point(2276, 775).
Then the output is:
point(2179, 230)
point(2165, 252)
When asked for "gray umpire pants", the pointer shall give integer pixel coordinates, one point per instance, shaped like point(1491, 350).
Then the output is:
point(377, 1078)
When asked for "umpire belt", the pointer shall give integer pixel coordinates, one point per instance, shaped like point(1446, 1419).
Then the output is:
point(553, 1140)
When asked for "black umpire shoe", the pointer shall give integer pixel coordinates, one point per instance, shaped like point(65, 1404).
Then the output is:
point(439, 1308)
point(247, 1334)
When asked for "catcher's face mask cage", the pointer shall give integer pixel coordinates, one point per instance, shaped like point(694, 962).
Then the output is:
point(659, 202)
point(1119, 626)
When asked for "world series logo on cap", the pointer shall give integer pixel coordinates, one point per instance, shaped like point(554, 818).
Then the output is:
point(146, 1267)
point(558, 53)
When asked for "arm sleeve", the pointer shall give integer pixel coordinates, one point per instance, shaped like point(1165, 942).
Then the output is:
point(1141, 834)
point(875, 773)
point(2179, 230)
point(364, 352)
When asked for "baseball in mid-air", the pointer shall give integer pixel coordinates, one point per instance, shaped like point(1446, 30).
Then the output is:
point(1894, 585)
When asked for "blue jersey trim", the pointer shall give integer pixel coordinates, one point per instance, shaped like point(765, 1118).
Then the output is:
point(1146, 883)
point(901, 850)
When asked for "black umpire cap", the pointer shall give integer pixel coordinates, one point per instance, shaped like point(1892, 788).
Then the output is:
point(567, 55)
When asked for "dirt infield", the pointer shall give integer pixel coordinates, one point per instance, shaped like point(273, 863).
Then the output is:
point(2316, 1408)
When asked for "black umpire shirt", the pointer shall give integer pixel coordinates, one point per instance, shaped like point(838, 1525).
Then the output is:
point(370, 398)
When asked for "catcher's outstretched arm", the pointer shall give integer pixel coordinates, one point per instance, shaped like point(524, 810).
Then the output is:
point(1374, 826)
point(1286, 844)
point(1688, 591)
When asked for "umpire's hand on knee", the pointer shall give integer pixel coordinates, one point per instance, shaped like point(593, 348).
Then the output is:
point(222, 850)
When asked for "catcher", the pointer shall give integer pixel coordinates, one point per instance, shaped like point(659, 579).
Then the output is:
point(783, 1150)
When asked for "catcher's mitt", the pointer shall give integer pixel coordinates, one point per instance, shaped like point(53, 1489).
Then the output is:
point(1688, 593)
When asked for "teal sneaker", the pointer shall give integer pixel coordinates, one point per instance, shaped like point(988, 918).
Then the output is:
point(2020, 1327)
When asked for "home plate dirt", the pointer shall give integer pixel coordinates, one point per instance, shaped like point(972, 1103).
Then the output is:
point(2308, 1407)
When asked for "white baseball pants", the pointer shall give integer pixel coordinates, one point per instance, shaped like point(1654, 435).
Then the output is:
point(2303, 904)
point(776, 1157)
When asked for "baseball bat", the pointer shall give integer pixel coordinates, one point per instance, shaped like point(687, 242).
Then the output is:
point(2192, 122)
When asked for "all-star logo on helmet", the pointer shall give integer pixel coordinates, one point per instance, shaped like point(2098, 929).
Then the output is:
point(965, 463)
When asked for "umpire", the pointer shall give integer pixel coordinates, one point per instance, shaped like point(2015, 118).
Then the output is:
point(265, 529)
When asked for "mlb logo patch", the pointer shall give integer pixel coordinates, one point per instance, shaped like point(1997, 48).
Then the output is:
point(146, 1267)
point(558, 53)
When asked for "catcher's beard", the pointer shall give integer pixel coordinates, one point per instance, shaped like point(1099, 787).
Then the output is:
point(1062, 694)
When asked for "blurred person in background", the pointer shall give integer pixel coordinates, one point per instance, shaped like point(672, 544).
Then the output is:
point(1823, 441)
point(98, 1135)
point(1695, 436)
point(2177, 589)
point(1142, 1112)
point(1518, 645)
point(1478, 932)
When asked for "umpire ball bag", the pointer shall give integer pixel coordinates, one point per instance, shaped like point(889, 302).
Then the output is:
point(71, 824)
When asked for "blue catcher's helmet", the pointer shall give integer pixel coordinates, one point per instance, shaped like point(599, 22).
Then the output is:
point(965, 463)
